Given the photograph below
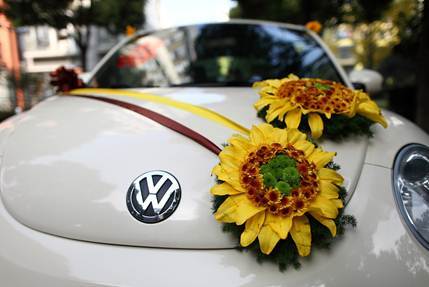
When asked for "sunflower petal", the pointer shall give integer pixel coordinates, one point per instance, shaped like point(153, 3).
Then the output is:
point(273, 135)
point(304, 145)
point(283, 110)
point(362, 96)
point(280, 225)
point(245, 208)
point(231, 178)
point(291, 77)
point(237, 208)
point(263, 102)
point(252, 228)
point(278, 109)
point(233, 159)
point(268, 239)
point(230, 173)
point(293, 118)
point(226, 211)
point(220, 173)
point(324, 206)
point(270, 82)
point(321, 158)
point(328, 189)
point(316, 125)
point(301, 234)
point(295, 135)
point(257, 136)
point(266, 129)
point(237, 152)
point(272, 113)
point(280, 136)
point(331, 175)
point(329, 223)
point(240, 142)
point(338, 203)
point(224, 189)
point(370, 110)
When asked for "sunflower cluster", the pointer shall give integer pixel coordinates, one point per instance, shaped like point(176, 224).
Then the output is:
point(287, 99)
point(272, 182)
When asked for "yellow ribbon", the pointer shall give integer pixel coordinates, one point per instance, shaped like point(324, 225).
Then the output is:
point(196, 110)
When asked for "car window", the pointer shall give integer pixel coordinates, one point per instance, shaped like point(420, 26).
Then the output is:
point(215, 55)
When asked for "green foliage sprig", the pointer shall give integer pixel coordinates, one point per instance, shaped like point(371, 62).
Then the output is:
point(336, 128)
point(285, 254)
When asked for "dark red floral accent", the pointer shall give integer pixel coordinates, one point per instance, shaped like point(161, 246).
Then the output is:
point(65, 79)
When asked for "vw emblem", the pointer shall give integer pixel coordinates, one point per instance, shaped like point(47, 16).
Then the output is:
point(153, 196)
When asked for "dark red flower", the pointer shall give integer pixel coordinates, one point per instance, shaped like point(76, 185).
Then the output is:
point(65, 79)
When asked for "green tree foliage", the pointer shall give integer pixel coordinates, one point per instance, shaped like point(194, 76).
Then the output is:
point(423, 74)
point(368, 10)
point(303, 11)
point(80, 14)
point(293, 11)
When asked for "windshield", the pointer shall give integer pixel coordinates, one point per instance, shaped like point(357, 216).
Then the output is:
point(215, 55)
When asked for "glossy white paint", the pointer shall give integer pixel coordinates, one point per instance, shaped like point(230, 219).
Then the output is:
point(372, 80)
point(380, 252)
point(385, 144)
point(73, 180)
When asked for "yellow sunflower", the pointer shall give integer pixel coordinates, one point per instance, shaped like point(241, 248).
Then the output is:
point(273, 179)
point(289, 98)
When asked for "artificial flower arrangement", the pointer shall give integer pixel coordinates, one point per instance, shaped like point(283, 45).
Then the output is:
point(322, 107)
point(279, 193)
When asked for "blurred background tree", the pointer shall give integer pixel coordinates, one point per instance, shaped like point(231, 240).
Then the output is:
point(291, 11)
point(329, 13)
point(77, 16)
point(303, 11)
point(422, 73)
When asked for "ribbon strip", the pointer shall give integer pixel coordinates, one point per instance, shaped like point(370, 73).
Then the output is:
point(196, 110)
point(162, 120)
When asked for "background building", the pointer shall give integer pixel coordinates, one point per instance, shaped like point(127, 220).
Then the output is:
point(9, 66)
point(44, 49)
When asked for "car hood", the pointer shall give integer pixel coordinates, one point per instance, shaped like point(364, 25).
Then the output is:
point(68, 163)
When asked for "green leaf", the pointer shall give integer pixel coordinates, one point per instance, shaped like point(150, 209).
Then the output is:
point(322, 86)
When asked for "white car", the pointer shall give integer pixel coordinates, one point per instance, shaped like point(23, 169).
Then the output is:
point(71, 168)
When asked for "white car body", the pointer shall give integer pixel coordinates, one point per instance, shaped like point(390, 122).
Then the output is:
point(67, 164)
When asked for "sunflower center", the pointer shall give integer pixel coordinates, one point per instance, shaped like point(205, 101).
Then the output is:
point(318, 95)
point(280, 179)
point(281, 173)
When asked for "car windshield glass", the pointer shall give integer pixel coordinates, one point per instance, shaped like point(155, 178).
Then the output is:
point(215, 55)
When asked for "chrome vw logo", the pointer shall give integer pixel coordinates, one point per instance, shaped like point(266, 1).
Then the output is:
point(153, 196)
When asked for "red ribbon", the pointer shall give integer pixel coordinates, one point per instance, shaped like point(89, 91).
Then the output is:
point(162, 120)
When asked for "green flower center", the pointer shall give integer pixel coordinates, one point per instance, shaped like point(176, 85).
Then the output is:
point(281, 173)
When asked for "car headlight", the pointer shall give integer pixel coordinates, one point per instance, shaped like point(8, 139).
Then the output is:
point(411, 189)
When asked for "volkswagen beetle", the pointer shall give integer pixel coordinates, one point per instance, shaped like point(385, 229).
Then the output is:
point(72, 211)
